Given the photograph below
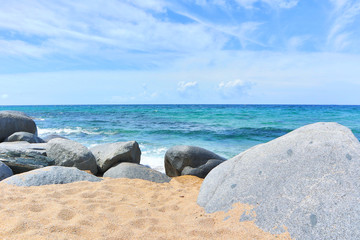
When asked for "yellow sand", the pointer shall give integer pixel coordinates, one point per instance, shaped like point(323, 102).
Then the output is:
point(118, 209)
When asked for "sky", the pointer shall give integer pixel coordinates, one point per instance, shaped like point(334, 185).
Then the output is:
point(179, 52)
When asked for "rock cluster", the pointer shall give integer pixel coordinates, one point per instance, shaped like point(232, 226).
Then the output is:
point(57, 160)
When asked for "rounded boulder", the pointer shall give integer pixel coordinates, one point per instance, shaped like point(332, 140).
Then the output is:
point(14, 121)
point(190, 160)
point(69, 153)
point(136, 171)
point(50, 175)
point(305, 182)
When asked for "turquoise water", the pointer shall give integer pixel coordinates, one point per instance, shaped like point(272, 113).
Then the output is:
point(224, 129)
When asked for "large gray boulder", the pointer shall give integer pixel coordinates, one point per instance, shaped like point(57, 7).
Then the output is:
point(14, 121)
point(190, 160)
point(5, 171)
point(307, 180)
point(108, 155)
point(68, 153)
point(136, 171)
point(23, 156)
point(24, 136)
point(50, 175)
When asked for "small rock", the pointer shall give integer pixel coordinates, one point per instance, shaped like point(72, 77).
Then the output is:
point(23, 156)
point(50, 175)
point(24, 136)
point(108, 155)
point(5, 171)
point(136, 171)
point(51, 137)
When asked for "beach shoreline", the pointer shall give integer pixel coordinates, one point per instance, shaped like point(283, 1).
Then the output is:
point(119, 209)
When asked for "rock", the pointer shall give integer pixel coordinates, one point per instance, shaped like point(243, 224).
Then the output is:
point(50, 175)
point(14, 121)
point(51, 137)
point(68, 153)
point(23, 156)
point(136, 171)
point(307, 180)
point(190, 160)
point(24, 136)
point(108, 155)
point(5, 171)
point(203, 170)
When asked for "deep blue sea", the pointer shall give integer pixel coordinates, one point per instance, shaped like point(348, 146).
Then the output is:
point(224, 129)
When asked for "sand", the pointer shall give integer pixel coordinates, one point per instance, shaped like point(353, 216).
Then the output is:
point(119, 209)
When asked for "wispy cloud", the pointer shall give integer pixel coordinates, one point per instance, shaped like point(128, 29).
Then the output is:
point(232, 89)
point(89, 27)
point(271, 3)
point(188, 89)
point(296, 42)
point(4, 96)
point(345, 13)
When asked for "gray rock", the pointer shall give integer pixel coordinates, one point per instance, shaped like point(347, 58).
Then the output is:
point(50, 175)
point(5, 171)
point(108, 155)
point(14, 121)
point(203, 170)
point(190, 160)
point(23, 156)
point(24, 136)
point(136, 171)
point(51, 137)
point(68, 153)
point(307, 180)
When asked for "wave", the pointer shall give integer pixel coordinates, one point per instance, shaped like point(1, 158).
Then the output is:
point(64, 131)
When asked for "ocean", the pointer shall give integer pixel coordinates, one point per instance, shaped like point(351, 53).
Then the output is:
point(224, 129)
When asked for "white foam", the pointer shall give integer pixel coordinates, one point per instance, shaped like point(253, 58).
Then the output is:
point(66, 131)
point(154, 162)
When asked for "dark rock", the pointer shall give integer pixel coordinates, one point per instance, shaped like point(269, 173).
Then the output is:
point(307, 180)
point(5, 171)
point(203, 170)
point(51, 137)
point(50, 175)
point(190, 160)
point(136, 171)
point(108, 155)
point(24, 136)
point(14, 121)
point(68, 153)
point(23, 156)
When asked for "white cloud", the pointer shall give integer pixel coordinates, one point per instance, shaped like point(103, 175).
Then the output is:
point(188, 88)
point(236, 88)
point(4, 96)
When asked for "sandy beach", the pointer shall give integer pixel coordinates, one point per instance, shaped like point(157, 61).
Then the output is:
point(119, 209)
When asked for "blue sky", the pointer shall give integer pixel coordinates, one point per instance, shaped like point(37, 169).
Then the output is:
point(189, 51)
